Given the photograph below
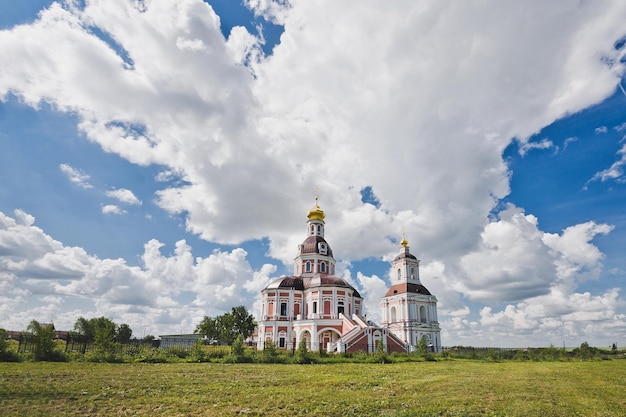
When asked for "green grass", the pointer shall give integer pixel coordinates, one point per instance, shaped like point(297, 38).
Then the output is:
point(447, 388)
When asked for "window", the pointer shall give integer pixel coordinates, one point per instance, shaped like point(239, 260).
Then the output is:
point(423, 314)
point(340, 307)
point(281, 342)
point(399, 273)
point(308, 266)
point(283, 309)
point(393, 314)
point(323, 266)
point(413, 273)
point(319, 229)
point(314, 307)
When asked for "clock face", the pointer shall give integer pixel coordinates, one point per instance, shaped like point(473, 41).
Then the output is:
point(322, 248)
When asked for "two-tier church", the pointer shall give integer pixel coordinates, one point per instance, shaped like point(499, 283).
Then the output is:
point(318, 308)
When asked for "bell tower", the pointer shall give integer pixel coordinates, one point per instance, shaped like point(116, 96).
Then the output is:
point(405, 267)
point(409, 310)
point(315, 256)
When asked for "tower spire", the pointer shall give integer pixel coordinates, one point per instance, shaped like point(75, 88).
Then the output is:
point(316, 213)
point(404, 242)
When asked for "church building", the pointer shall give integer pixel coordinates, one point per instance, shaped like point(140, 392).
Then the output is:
point(409, 310)
point(318, 308)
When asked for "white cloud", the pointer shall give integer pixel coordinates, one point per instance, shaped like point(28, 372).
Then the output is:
point(567, 142)
point(526, 146)
point(37, 280)
point(601, 129)
point(76, 176)
point(419, 110)
point(124, 196)
point(512, 262)
point(538, 323)
point(357, 91)
point(620, 128)
point(112, 209)
point(615, 171)
point(374, 289)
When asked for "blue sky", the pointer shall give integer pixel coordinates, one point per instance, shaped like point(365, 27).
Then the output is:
point(157, 160)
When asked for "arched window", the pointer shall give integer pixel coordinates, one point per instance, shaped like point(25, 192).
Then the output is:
point(413, 273)
point(322, 266)
point(399, 273)
point(340, 307)
point(319, 229)
point(423, 317)
point(393, 314)
point(308, 266)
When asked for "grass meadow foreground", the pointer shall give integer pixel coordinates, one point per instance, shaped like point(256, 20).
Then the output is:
point(446, 388)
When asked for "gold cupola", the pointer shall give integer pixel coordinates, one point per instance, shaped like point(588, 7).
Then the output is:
point(316, 213)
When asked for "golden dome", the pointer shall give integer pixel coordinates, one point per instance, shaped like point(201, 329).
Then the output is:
point(404, 242)
point(316, 213)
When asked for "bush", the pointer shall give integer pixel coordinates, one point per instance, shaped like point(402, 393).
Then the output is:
point(302, 355)
point(178, 352)
point(381, 354)
point(152, 355)
point(6, 353)
point(103, 356)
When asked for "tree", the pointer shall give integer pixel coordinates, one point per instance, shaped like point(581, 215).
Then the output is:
point(42, 336)
point(422, 347)
point(228, 326)
point(208, 328)
point(302, 354)
point(242, 322)
point(104, 334)
point(124, 333)
point(84, 328)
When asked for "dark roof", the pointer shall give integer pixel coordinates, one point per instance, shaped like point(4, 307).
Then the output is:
point(287, 282)
point(407, 288)
point(328, 281)
point(299, 283)
point(310, 245)
point(404, 255)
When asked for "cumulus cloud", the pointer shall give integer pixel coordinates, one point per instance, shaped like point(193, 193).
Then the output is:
point(373, 289)
point(39, 275)
point(419, 111)
point(191, 118)
point(517, 261)
point(124, 196)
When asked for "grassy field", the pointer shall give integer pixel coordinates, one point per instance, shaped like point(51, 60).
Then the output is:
point(447, 388)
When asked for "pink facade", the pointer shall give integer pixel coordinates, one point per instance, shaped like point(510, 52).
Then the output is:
point(315, 307)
